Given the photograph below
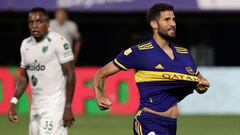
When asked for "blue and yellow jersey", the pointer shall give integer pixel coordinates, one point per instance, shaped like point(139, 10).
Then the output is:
point(162, 82)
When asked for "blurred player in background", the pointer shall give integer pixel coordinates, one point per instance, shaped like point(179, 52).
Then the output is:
point(164, 74)
point(46, 61)
point(67, 28)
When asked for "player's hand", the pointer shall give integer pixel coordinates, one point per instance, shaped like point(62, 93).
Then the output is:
point(202, 86)
point(12, 115)
point(103, 103)
point(68, 117)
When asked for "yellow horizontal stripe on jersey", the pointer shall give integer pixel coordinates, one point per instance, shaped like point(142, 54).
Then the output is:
point(147, 43)
point(119, 64)
point(183, 52)
point(180, 47)
point(151, 76)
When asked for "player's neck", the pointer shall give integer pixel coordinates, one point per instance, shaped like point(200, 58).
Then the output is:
point(160, 41)
point(39, 39)
point(62, 22)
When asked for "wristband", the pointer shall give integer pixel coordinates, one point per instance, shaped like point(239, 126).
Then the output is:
point(14, 100)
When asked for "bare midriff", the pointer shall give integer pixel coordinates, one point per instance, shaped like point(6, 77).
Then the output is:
point(170, 113)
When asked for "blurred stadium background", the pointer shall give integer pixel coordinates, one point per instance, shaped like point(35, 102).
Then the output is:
point(208, 28)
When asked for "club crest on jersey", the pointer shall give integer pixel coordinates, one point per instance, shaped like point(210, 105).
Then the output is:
point(66, 46)
point(44, 49)
point(189, 70)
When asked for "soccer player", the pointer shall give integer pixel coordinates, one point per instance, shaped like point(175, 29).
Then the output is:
point(46, 62)
point(164, 74)
point(69, 29)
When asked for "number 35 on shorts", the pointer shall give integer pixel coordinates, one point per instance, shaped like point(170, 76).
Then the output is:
point(48, 126)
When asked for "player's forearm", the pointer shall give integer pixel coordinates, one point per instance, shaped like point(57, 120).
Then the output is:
point(70, 86)
point(21, 86)
point(101, 76)
point(99, 81)
point(22, 83)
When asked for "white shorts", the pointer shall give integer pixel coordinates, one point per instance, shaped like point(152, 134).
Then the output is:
point(47, 123)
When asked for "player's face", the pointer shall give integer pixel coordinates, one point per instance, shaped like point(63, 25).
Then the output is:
point(61, 16)
point(166, 25)
point(38, 24)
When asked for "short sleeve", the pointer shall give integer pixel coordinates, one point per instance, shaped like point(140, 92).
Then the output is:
point(126, 59)
point(63, 50)
point(23, 63)
point(75, 32)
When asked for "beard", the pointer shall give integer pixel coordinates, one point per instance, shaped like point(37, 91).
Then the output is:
point(166, 36)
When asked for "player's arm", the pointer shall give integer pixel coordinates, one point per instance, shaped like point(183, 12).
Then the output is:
point(99, 80)
point(68, 71)
point(125, 60)
point(21, 85)
point(203, 85)
point(65, 56)
point(76, 49)
point(77, 43)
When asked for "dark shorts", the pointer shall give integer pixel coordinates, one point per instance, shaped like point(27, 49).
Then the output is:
point(150, 124)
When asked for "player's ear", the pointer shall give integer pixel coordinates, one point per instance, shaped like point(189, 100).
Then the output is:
point(153, 24)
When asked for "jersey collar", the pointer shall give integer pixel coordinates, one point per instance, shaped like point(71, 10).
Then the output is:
point(35, 42)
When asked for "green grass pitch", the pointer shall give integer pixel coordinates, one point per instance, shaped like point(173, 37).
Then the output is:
point(122, 125)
